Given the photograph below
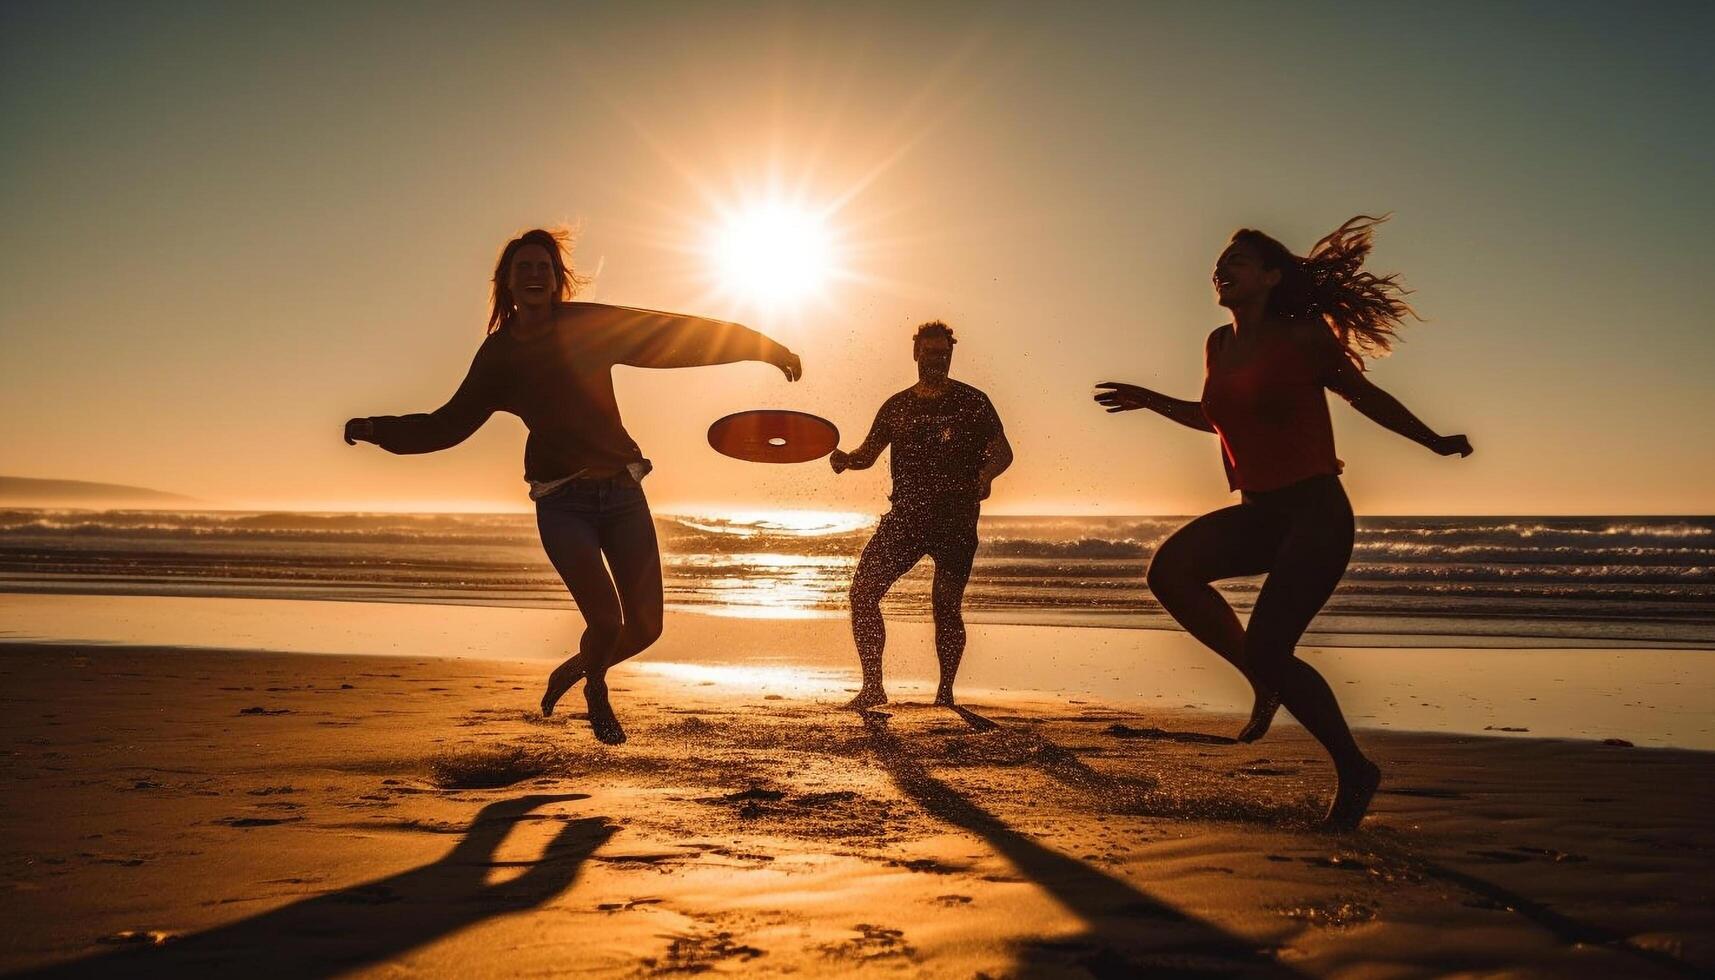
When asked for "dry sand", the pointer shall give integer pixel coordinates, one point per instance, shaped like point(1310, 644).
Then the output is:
point(192, 812)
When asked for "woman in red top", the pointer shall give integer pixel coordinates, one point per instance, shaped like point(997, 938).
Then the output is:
point(1300, 325)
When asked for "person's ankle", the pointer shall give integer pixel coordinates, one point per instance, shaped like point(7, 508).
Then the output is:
point(1354, 764)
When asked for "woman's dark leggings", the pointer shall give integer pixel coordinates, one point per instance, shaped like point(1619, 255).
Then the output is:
point(1301, 536)
point(582, 523)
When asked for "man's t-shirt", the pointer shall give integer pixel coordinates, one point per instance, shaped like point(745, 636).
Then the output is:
point(937, 445)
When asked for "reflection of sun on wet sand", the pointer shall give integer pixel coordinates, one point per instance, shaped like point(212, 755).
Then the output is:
point(195, 812)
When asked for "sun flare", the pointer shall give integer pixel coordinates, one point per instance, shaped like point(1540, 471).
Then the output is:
point(773, 254)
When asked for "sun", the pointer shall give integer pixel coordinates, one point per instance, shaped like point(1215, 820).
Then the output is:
point(773, 254)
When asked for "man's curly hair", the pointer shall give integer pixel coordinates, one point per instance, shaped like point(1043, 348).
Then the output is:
point(934, 328)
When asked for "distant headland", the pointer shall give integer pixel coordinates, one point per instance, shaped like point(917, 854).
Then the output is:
point(18, 491)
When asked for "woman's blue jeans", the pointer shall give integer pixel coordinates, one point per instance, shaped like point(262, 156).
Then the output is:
point(584, 522)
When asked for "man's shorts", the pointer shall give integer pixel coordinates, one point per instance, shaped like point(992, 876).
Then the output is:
point(949, 536)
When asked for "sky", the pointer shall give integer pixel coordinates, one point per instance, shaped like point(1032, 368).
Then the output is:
point(230, 227)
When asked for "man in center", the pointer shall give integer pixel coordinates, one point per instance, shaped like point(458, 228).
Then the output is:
point(948, 448)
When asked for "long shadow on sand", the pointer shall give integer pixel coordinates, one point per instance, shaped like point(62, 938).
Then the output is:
point(368, 923)
point(1128, 932)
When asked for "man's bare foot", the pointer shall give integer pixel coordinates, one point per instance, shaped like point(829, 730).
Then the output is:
point(1262, 715)
point(602, 721)
point(866, 699)
point(944, 698)
point(1352, 799)
point(563, 679)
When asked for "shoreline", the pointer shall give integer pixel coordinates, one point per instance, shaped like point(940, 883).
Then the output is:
point(1649, 697)
point(1343, 632)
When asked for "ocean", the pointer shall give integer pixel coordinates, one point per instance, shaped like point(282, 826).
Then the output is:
point(1610, 581)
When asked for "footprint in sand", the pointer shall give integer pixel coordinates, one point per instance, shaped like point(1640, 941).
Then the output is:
point(699, 954)
point(635, 903)
point(925, 865)
point(871, 943)
point(824, 799)
point(255, 821)
point(1333, 914)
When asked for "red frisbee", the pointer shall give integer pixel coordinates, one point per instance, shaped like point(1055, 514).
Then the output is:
point(774, 436)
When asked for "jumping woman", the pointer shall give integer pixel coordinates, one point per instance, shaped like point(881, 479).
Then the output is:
point(1300, 325)
point(550, 361)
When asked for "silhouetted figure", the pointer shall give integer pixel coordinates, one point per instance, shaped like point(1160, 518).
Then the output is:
point(336, 933)
point(1300, 325)
point(1127, 932)
point(948, 447)
point(549, 361)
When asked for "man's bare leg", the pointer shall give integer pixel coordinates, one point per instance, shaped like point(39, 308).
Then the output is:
point(948, 597)
point(887, 556)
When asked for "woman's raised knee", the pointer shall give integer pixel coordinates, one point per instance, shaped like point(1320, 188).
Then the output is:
point(1164, 575)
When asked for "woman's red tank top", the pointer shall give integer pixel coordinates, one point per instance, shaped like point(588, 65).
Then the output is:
point(1271, 414)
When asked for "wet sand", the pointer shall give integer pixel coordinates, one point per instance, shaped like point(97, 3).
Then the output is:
point(202, 812)
point(1654, 697)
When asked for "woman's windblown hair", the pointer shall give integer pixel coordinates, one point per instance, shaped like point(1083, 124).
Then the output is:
point(558, 244)
point(1364, 310)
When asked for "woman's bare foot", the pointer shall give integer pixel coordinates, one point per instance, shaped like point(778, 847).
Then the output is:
point(602, 721)
point(563, 679)
point(1262, 715)
point(944, 698)
point(866, 699)
point(1352, 800)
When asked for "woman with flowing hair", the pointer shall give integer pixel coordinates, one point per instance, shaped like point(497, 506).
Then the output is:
point(550, 361)
point(1301, 324)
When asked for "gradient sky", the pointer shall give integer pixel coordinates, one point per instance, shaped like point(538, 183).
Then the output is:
point(229, 228)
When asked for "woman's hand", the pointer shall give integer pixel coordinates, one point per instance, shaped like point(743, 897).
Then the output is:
point(359, 430)
point(788, 363)
point(1121, 397)
point(839, 461)
point(1449, 445)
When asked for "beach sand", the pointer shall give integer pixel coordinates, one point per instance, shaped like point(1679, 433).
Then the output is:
point(189, 811)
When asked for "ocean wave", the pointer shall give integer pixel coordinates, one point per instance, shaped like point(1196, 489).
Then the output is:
point(1643, 570)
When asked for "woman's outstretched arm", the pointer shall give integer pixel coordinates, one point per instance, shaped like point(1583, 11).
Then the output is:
point(1122, 397)
point(652, 339)
point(427, 432)
point(1343, 378)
